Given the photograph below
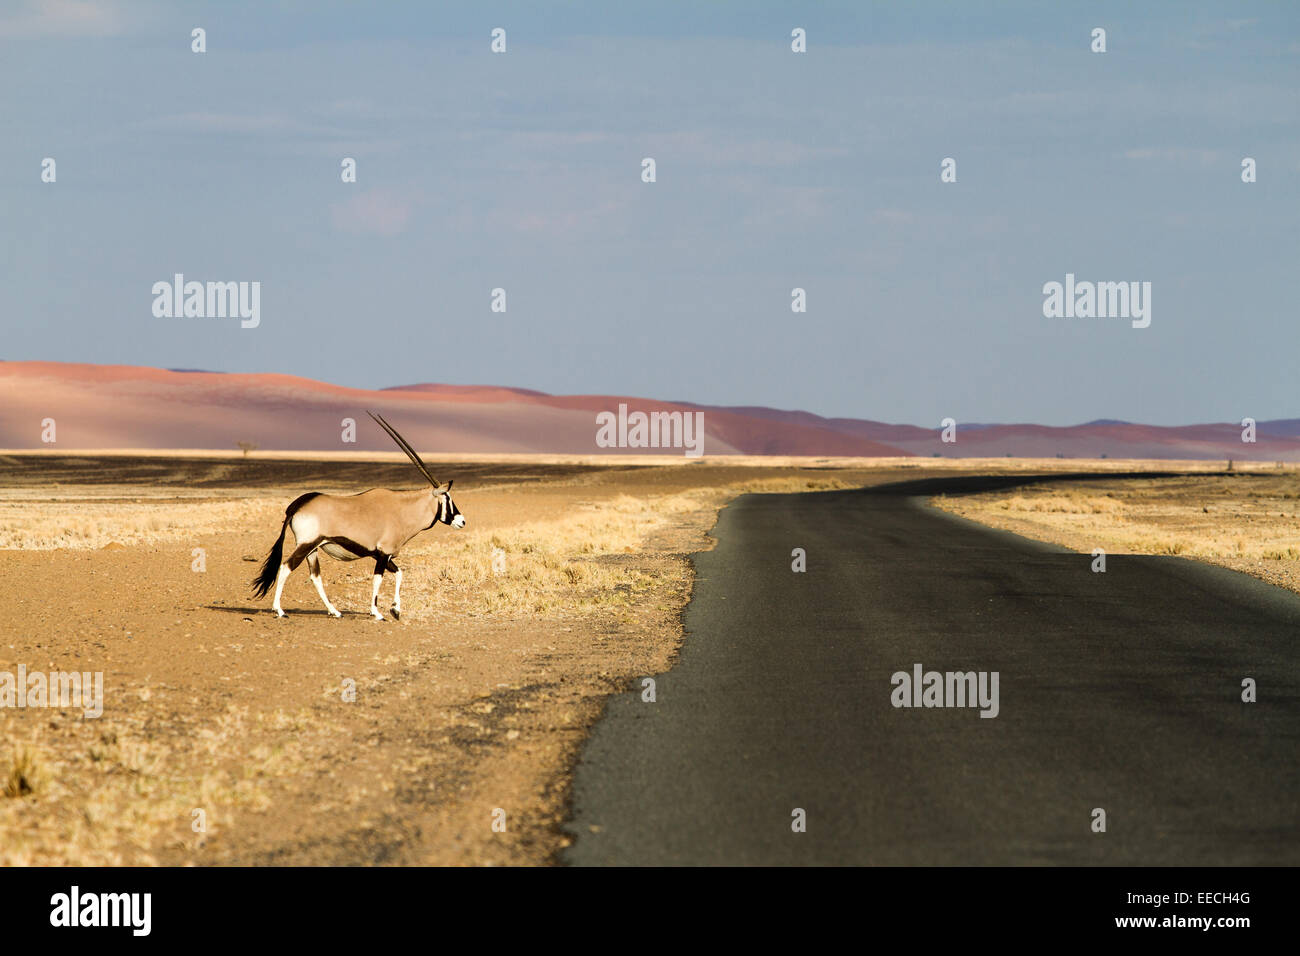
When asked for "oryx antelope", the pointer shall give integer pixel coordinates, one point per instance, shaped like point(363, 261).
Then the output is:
point(373, 524)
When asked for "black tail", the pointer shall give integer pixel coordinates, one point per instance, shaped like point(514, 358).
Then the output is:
point(271, 566)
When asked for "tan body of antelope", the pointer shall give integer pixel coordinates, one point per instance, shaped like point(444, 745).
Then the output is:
point(373, 524)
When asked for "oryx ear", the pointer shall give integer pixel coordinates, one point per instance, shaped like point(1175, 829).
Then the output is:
point(442, 489)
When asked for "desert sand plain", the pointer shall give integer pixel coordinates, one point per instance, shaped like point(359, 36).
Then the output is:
point(566, 586)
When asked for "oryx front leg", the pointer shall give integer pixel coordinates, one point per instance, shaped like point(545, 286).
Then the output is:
point(380, 563)
point(397, 589)
point(313, 565)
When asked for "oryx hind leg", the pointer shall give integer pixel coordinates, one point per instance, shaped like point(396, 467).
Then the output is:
point(287, 567)
point(396, 609)
point(313, 566)
point(279, 588)
point(381, 563)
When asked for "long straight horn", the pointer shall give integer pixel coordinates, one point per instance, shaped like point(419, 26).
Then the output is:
point(403, 444)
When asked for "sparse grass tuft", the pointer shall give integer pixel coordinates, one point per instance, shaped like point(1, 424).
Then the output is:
point(26, 774)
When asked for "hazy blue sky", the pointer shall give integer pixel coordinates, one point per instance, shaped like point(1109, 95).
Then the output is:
point(775, 170)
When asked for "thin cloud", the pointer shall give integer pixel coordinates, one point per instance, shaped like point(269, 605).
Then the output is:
point(711, 148)
point(62, 18)
point(379, 212)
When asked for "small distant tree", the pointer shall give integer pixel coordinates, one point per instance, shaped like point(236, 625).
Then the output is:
point(1229, 464)
point(247, 446)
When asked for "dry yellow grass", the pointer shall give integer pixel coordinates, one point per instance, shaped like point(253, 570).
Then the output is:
point(1248, 521)
point(51, 525)
point(126, 789)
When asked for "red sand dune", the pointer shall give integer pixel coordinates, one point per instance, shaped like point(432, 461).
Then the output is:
point(117, 406)
point(113, 406)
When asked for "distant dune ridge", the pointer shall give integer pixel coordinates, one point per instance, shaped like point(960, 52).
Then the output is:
point(118, 406)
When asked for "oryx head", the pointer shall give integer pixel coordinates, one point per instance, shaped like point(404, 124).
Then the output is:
point(444, 509)
point(448, 513)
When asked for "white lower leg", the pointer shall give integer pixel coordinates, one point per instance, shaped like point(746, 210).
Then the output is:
point(374, 598)
point(279, 588)
point(320, 589)
point(397, 591)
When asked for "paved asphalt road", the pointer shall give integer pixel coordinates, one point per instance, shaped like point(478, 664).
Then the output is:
point(1119, 690)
